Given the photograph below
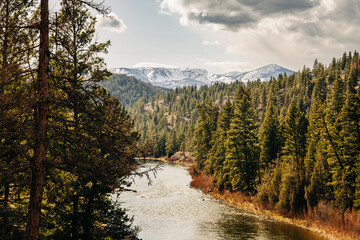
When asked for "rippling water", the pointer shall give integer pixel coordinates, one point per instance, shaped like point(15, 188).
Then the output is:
point(169, 209)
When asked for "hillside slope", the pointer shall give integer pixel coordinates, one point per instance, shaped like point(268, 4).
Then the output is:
point(129, 89)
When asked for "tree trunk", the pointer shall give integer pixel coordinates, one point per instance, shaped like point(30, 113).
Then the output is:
point(75, 218)
point(37, 163)
point(88, 221)
point(259, 170)
point(74, 225)
point(7, 191)
point(5, 41)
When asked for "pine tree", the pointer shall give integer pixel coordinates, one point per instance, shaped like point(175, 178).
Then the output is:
point(337, 99)
point(352, 79)
point(16, 98)
point(204, 132)
point(315, 134)
point(241, 144)
point(348, 126)
point(318, 187)
point(295, 128)
point(320, 88)
point(217, 153)
point(171, 144)
point(293, 176)
point(317, 171)
point(269, 138)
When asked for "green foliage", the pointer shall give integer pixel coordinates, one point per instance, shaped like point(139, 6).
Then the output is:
point(318, 189)
point(90, 139)
point(217, 154)
point(269, 137)
point(294, 133)
point(291, 195)
point(306, 150)
point(204, 133)
point(16, 99)
point(241, 144)
point(347, 127)
point(337, 99)
point(293, 153)
point(128, 89)
point(171, 145)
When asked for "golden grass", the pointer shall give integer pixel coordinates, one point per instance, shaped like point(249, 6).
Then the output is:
point(323, 219)
point(345, 225)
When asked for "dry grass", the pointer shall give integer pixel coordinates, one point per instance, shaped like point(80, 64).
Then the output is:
point(345, 225)
point(323, 219)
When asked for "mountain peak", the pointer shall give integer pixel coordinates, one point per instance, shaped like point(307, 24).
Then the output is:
point(180, 77)
point(271, 65)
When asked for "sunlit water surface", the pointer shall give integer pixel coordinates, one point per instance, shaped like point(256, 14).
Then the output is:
point(169, 209)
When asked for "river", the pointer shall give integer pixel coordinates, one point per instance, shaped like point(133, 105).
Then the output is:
point(170, 210)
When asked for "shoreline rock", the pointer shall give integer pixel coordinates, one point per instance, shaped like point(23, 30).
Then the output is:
point(183, 158)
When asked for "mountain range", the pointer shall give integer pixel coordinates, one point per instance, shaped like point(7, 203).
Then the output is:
point(180, 77)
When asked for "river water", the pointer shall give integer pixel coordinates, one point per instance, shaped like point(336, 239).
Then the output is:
point(169, 209)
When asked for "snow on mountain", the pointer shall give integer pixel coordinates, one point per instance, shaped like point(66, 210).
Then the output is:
point(180, 77)
point(265, 73)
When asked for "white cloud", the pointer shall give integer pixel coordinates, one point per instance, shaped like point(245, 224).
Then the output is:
point(150, 64)
point(234, 14)
point(310, 18)
point(210, 43)
point(227, 66)
point(111, 22)
point(288, 32)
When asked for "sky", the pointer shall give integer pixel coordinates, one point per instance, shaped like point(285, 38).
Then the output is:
point(228, 35)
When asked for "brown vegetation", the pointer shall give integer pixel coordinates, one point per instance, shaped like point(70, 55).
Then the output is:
point(343, 225)
point(323, 219)
point(203, 182)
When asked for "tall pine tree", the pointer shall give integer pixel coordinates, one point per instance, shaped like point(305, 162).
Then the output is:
point(241, 144)
point(269, 138)
point(204, 133)
point(217, 154)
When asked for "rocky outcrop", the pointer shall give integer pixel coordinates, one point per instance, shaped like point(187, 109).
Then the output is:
point(181, 157)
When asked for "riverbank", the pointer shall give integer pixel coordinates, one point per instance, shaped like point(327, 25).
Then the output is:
point(321, 220)
point(182, 158)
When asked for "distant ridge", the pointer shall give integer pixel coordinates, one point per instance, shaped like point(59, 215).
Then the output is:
point(180, 77)
point(129, 89)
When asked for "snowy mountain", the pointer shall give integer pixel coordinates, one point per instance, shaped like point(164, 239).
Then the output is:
point(180, 77)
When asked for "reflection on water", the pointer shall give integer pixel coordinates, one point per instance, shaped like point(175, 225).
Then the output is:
point(169, 209)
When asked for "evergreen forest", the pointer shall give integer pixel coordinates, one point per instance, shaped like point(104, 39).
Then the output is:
point(71, 131)
point(65, 142)
point(292, 141)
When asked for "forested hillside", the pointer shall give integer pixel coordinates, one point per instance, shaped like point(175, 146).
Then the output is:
point(292, 141)
point(294, 148)
point(168, 121)
point(179, 105)
point(129, 89)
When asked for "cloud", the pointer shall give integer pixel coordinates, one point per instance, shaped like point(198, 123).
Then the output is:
point(151, 64)
point(254, 27)
point(111, 22)
point(314, 18)
point(234, 14)
point(226, 66)
point(210, 43)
